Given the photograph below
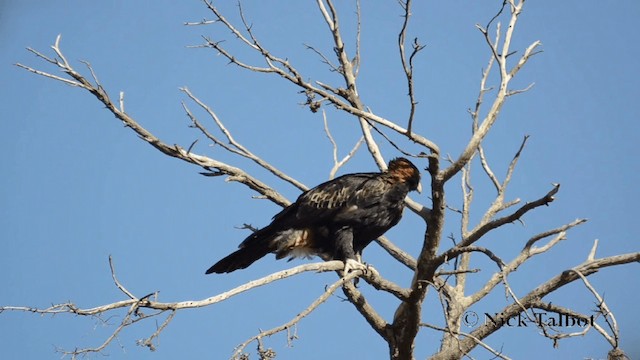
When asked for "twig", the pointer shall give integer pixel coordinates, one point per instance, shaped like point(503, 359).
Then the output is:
point(605, 311)
point(338, 164)
point(467, 335)
point(482, 229)
point(325, 60)
point(115, 280)
point(125, 322)
point(498, 203)
point(238, 148)
point(148, 342)
point(407, 66)
point(327, 293)
point(527, 252)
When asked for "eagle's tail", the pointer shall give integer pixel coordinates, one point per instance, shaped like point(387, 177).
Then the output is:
point(239, 259)
point(270, 239)
point(252, 249)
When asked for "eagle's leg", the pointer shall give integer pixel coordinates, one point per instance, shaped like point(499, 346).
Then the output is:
point(345, 252)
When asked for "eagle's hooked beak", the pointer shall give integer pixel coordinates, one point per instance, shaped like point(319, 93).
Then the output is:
point(419, 188)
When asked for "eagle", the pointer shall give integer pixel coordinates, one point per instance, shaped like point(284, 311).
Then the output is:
point(335, 220)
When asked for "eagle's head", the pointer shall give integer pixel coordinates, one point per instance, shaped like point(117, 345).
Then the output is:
point(403, 170)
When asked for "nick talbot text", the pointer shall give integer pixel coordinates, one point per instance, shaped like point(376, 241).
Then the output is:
point(539, 319)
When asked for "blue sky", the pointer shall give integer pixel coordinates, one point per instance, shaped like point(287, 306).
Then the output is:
point(78, 187)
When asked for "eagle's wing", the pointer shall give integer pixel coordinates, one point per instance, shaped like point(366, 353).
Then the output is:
point(338, 197)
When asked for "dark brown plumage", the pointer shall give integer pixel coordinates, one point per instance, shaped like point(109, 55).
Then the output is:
point(335, 220)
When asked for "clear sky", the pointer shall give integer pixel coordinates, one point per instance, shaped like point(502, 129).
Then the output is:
point(77, 186)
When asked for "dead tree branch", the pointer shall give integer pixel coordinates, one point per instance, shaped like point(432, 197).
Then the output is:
point(533, 298)
point(135, 304)
point(500, 57)
point(211, 166)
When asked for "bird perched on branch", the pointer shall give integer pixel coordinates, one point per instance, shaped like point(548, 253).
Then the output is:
point(335, 220)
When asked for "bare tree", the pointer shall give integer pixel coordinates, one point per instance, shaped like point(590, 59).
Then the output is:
point(441, 266)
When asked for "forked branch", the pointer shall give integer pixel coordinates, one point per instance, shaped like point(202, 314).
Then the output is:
point(532, 299)
point(211, 166)
point(500, 55)
point(135, 304)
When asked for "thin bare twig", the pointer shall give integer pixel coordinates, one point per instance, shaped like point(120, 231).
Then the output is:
point(316, 303)
point(498, 203)
point(407, 66)
point(125, 322)
point(148, 342)
point(497, 354)
point(337, 164)
point(527, 252)
point(482, 229)
point(115, 280)
point(614, 338)
point(238, 148)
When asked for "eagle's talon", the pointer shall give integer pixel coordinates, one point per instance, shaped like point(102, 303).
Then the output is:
point(372, 271)
point(353, 265)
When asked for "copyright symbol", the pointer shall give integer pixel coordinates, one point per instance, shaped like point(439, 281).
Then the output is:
point(470, 318)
